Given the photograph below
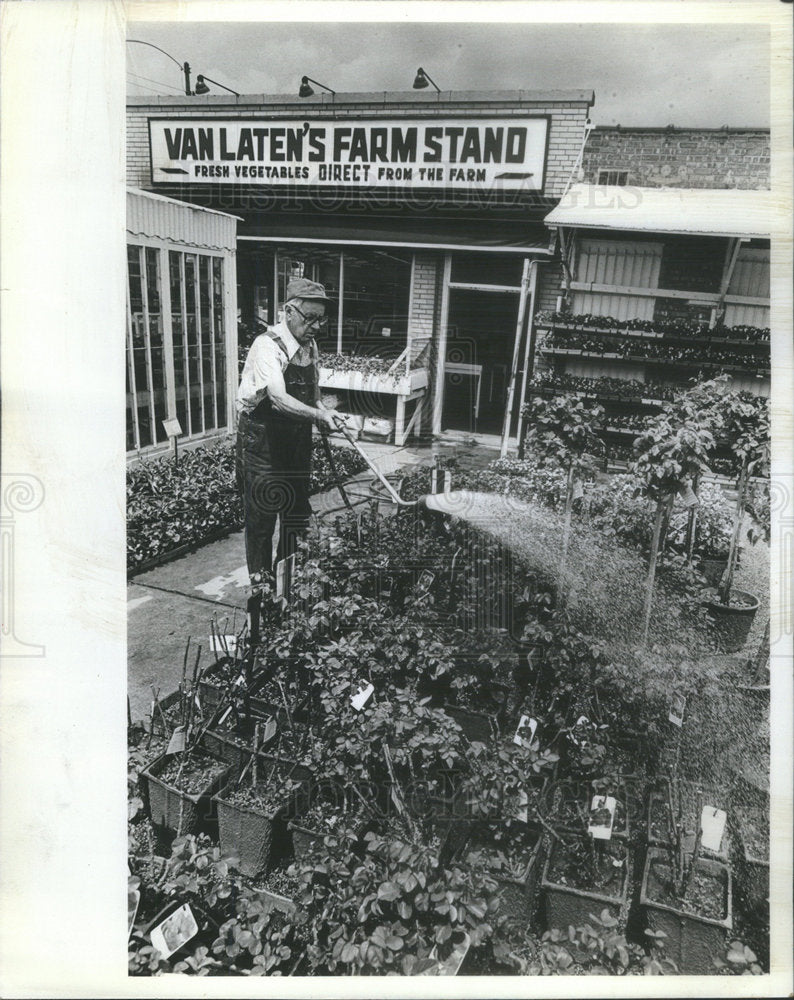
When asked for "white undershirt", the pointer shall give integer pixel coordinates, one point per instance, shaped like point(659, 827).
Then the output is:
point(264, 367)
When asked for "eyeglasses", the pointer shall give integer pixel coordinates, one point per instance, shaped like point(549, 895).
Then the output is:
point(312, 322)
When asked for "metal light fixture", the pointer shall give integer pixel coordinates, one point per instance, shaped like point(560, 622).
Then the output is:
point(421, 80)
point(202, 88)
point(185, 67)
point(307, 91)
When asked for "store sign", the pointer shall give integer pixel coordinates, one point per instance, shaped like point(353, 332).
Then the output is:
point(462, 153)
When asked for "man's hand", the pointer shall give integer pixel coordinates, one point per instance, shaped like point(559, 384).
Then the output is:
point(328, 420)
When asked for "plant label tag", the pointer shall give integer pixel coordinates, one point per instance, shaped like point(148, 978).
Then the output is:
point(688, 497)
point(172, 428)
point(578, 490)
point(712, 822)
point(361, 697)
point(271, 727)
point(447, 480)
point(425, 581)
point(677, 709)
point(523, 812)
point(434, 480)
point(223, 643)
point(523, 738)
point(284, 571)
point(175, 931)
point(133, 901)
point(177, 742)
point(225, 716)
point(602, 830)
point(385, 331)
point(581, 721)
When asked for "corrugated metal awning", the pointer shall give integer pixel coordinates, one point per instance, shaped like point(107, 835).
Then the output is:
point(702, 212)
point(153, 216)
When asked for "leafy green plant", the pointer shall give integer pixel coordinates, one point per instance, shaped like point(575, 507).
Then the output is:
point(564, 431)
point(386, 912)
point(668, 455)
point(746, 422)
point(598, 948)
point(739, 961)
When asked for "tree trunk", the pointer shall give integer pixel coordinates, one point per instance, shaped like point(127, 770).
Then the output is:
point(726, 583)
point(691, 527)
point(760, 662)
point(657, 530)
point(566, 527)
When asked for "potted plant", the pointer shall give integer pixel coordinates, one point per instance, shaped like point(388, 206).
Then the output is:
point(588, 873)
point(179, 785)
point(677, 800)
point(746, 423)
point(502, 798)
point(750, 826)
point(564, 432)
point(688, 898)
point(251, 812)
point(672, 450)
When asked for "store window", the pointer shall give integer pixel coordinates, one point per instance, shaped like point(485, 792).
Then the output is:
point(194, 328)
point(146, 390)
point(374, 287)
point(375, 303)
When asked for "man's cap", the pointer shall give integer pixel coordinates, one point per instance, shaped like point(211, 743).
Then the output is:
point(302, 288)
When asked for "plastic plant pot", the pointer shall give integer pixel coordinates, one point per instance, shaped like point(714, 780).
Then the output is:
point(177, 811)
point(517, 892)
point(306, 841)
point(751, 833)
point(692, 940)
point(250, 834)
point(570, 906)
point(731, 625)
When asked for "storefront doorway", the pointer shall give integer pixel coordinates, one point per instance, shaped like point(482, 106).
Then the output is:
point(484, 298)
point(480, 337)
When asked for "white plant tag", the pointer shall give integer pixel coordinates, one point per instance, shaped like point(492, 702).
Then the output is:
point(175, 931)
point(434, 480)
point(271, 727)
point(362, 696)
point(603, 831)
point(447, 480)
point(688, 497)
point(177, 742)
point(523, 812)
point(677, 709)
point(425, 581)
point(284, 571)
point(581, 721)
point(578, 490)
point(225, 716)
point(223, 643)
point(712, 822)
point(527, 742)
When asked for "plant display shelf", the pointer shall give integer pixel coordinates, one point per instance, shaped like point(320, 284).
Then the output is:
point(670, 338)
point(636, 359)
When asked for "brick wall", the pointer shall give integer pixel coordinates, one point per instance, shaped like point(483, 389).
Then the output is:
point(566, 131)
point(675, 157)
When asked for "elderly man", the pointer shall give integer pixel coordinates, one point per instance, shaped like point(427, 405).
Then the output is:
point(277, 402)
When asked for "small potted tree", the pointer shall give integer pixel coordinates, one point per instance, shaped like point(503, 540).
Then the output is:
point(588, 871)
point(747, 426)
point(669, 453)
point(688, 898)
point(564, 432)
